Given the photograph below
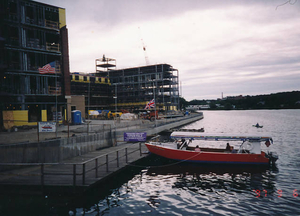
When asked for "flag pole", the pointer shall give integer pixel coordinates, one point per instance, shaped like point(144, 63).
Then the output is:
point(154, 104)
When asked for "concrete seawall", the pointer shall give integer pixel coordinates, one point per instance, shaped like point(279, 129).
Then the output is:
point(56, 150)
point(161, 126)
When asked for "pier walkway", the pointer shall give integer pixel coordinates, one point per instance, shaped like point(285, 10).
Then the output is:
point(73, 175)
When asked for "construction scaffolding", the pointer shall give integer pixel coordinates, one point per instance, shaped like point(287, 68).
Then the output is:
point(104, 65)
point(135, 87)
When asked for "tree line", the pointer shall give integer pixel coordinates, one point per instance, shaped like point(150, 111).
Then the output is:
point(282, 100)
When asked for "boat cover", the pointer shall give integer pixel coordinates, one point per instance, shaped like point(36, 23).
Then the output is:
point(206, 136)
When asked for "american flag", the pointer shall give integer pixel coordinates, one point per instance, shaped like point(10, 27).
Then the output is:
point(268, 143)
point(150, 105)
point(48, 68)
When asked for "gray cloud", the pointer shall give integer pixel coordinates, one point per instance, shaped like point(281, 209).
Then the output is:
point(120, 11)
point(235, 47)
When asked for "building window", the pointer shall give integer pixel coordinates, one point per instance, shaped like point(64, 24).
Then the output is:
point(73, 108)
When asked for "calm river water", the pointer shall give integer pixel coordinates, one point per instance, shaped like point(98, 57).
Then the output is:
point(157, 186)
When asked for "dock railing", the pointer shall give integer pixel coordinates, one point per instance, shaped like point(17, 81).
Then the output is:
point(58, 174)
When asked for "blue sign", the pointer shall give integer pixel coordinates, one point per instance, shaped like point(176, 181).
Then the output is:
point(135, 137)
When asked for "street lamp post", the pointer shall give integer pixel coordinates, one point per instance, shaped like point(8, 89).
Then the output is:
point(88, 107)
point(115, 97)
point(115, 118)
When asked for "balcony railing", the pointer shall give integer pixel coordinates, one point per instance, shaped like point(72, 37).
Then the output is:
point(51, 24)
point(52, 47)
point(54, 91)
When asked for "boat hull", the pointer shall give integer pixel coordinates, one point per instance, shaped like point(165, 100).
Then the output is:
point(207, 157)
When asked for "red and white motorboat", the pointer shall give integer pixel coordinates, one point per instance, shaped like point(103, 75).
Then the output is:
point(183, 149)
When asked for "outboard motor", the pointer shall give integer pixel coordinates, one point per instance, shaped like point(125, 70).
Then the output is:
point(272, 157)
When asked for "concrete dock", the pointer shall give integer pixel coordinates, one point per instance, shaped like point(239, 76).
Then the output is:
point(78, 174)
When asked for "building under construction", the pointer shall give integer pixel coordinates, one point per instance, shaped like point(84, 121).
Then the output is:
point(134, 87)
point(96, 91)
point(34, 63)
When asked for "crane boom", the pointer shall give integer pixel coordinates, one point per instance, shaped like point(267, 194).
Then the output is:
point(144, 48)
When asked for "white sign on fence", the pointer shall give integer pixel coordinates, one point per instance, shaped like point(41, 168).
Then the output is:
point(47, 127)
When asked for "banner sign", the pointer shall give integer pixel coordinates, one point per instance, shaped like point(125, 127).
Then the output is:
point(135, 137)
point(47, 126)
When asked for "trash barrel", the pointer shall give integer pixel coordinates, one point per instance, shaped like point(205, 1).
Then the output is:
point(76, 117)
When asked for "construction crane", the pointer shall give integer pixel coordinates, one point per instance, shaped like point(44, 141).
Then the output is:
point(144, 48)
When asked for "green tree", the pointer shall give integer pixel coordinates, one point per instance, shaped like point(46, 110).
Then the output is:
point(183, 103)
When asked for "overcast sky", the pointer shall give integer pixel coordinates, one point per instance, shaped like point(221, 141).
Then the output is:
point(241, 47)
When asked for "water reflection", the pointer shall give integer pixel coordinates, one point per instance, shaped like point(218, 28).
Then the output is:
point(215, 178)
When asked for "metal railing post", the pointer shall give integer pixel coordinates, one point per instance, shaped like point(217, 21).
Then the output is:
point(140, 145)
point(74, 174)
point(83, 174)
point(117, 158)
point(96, 167)
point(106, 163)
point(126, 155)
point(42, 175)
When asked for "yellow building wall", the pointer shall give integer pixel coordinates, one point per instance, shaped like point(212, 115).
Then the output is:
point(62, 17)
point(44, 115)
point(19, 118)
